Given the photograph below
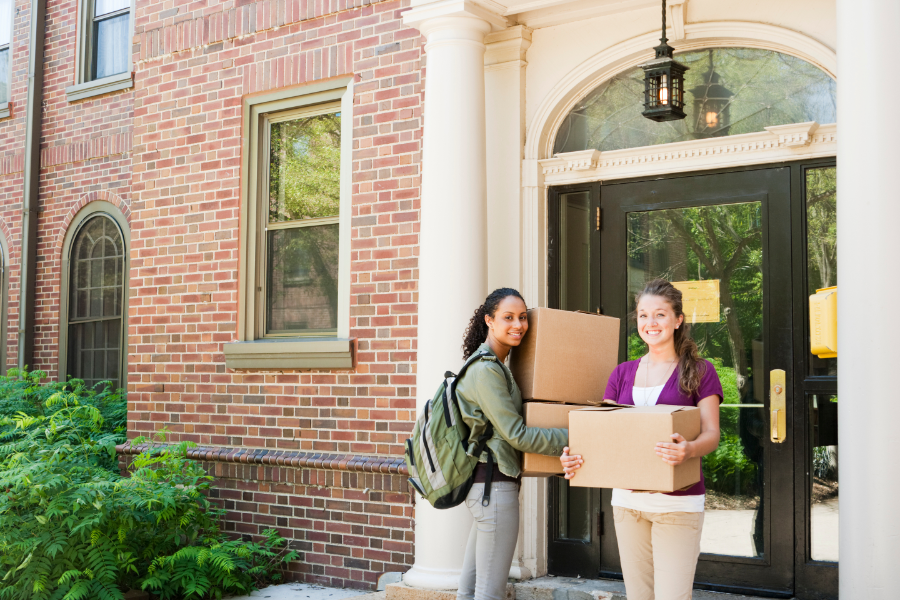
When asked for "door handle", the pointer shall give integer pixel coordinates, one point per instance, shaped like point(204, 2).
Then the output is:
point(777, 406)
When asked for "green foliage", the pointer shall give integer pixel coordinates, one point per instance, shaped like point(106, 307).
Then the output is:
point(71, 527)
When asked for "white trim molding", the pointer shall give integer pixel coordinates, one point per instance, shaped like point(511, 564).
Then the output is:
point(777, 144)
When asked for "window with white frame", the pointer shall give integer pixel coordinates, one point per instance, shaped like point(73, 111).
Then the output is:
point(294, 299)
point(6, 17)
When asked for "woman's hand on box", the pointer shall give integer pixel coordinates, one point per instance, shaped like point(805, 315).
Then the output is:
point(674, 454)
point(571, 463)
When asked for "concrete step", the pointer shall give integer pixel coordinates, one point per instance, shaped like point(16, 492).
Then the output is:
point(548, 588)
point(569, 588)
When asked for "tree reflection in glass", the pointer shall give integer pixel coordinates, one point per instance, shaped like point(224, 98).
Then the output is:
point(764, 88)
point(723, 243)
point(302, 238)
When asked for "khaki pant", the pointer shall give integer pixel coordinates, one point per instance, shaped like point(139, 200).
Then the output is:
point(659, 552)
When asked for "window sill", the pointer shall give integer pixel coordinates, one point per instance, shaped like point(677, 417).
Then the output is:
point(293, 353)
point(89, 89)
point(4, 110)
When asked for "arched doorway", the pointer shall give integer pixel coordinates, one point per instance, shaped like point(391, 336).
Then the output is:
point(757, 240)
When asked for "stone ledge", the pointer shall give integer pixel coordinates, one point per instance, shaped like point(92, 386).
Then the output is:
point(387, 465)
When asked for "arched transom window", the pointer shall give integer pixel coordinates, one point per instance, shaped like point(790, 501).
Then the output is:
point(729, 91)
point(96, 301)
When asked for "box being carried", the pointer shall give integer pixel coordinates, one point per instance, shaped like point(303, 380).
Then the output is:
point(618, 444)
point(546, 415)
point(566, 356)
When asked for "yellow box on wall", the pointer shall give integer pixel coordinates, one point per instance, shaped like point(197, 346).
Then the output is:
point(823, 322)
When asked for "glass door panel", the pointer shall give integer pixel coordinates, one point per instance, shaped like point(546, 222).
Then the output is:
point(573, 543)
point(725, 240)
point(715, 254)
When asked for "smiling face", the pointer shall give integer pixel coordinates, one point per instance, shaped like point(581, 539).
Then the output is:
point(656, 321)
point(509, 323)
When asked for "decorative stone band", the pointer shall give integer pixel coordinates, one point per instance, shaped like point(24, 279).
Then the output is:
point(388, 465)
point(776, 144)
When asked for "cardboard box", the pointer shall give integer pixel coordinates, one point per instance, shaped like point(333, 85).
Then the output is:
point(566, 356)
point(618, 444)
point(545, 415)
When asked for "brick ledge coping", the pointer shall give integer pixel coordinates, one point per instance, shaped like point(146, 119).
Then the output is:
point(388, 465)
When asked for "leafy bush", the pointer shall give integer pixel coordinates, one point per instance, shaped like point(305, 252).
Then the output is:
point(72, 527)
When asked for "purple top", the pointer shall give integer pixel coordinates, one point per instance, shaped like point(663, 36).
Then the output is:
point(621, 382)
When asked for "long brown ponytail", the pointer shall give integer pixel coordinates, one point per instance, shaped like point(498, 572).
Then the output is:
point(691, 366)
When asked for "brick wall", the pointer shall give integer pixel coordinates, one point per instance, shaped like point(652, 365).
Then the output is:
point(167, 155)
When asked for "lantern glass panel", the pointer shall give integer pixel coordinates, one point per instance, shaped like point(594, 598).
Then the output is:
point(769, 88)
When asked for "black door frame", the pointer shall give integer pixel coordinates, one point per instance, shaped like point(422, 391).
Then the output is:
point(806, 578)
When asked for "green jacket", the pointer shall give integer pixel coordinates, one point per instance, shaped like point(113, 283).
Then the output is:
point(487, 392)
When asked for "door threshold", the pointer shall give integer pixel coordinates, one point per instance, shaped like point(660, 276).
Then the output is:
point(572, 588)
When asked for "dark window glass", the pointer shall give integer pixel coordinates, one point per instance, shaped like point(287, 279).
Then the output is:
point(302, 238)
point(95, 302)
point(110, 37)
point(729, 91)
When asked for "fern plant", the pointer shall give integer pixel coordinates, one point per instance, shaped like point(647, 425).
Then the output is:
point(72, 528)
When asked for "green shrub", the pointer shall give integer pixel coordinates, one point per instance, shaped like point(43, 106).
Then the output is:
point(72, 527)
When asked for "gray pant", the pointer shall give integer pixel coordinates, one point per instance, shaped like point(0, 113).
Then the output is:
point(492, 542)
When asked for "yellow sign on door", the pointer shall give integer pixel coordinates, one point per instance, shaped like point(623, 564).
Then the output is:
point(700, 300)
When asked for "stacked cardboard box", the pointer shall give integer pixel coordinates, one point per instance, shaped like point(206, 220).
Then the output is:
point(563, 364)
point(618, 444)
point(562, 368)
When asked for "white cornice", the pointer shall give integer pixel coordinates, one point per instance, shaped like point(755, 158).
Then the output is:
point(781, 143)
point(486, 10)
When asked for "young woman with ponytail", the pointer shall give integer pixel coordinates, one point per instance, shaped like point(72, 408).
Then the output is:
point(659, 534)
point(488, 396)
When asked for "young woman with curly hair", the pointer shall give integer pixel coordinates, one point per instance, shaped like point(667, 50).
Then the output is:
point(659, 534)
point(488, 395)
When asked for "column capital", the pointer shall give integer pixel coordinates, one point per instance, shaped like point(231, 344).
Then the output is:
point(424, 13)
point(507, 47)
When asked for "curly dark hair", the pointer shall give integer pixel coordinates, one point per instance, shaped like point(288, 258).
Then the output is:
point(691, 366)
point(477, 330)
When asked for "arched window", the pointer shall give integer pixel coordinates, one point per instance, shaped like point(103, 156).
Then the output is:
point(96, 301)
point(729, 91)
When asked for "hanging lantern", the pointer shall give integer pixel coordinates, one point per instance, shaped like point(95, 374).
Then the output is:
point(664, 82)
point(712, 105)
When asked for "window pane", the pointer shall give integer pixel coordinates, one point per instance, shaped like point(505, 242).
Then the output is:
point(574, 248)
point(821, 245)
point(95, 324)
point(111, 46)
point(729, 91)
point(104, 7)
point(4, 75)
point(305, 168)
point(718, 249)
point(302, 279)
point(823, 480)
point(5, 22)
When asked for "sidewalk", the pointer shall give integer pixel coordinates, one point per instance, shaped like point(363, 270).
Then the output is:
point(307, 591)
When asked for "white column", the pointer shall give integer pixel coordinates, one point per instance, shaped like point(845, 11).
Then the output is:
point(869, 245)
point(504, 77)
point(452, 239)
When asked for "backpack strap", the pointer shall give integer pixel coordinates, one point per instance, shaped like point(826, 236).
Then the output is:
point(450, 384)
